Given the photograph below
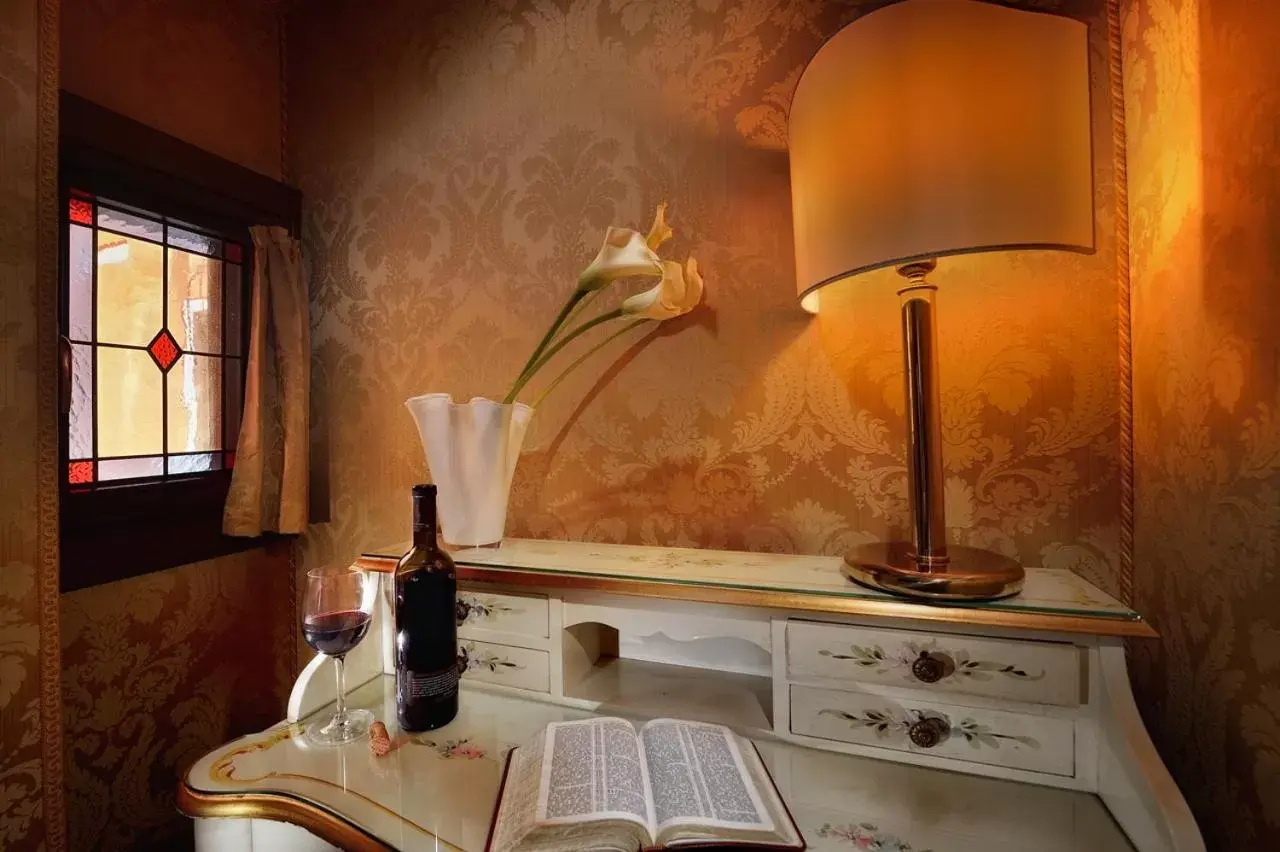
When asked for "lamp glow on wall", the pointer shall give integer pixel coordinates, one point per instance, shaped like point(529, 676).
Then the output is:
point(925, 129)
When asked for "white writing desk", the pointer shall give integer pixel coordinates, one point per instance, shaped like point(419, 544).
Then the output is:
point(889, 725)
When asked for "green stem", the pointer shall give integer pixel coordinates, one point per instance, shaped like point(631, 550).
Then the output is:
point(581, 306)
point(583, 357)
point(560, 344)
point(525, 372)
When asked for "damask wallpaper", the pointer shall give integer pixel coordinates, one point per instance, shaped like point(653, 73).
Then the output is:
point(1202, 91)
point(459, 164)
point(30, 791)
point(158, 669)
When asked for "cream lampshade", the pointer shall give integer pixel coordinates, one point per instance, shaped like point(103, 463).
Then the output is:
point(930, 128)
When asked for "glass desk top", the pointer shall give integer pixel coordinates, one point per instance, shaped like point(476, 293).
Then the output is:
point(1053, 599)
point(436, 791)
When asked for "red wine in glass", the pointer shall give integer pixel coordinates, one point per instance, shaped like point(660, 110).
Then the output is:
point(335, 633)
point(337, 606)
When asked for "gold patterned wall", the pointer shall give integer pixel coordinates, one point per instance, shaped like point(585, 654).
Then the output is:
point(159, 669)
point(208, 73)
point(30, 767)
point(1202, 91)
point(459, 166)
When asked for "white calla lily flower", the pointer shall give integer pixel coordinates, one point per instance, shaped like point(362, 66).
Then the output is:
point(676, 294)
point(625, 253)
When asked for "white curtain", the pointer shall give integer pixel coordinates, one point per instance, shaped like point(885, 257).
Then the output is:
point(269, 481)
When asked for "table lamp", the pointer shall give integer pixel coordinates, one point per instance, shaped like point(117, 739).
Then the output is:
point(925, 129)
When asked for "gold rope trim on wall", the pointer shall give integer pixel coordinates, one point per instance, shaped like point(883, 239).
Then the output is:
point(1124, 297)
point(53, 794)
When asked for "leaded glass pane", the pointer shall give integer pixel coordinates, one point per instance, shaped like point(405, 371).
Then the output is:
point(195, 301)
point(80, 283)
point(129, 403)
point(129, 223)
point(194, 463)
point(195, 404)
point(80, 419)
point(192, 241)
point(130, 468)
point(130, 290)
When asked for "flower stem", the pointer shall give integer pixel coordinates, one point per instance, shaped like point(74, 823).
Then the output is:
point(560, 344)
point(531, 366)
point(583, 357)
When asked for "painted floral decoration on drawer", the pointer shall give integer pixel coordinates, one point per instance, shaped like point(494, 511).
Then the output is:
point(958, 663)
point(481, 608)
point(867, 836)
point(895, 726)
point(471, 659)
point(459, 749)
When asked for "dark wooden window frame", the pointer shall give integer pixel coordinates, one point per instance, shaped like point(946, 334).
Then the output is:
point(111, 532)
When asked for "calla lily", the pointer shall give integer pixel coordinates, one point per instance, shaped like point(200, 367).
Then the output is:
point(676, 294)
point(659, 231)
point(624, 253)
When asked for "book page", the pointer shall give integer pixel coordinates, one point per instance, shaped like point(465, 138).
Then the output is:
point(592, 770)
point(698, 778)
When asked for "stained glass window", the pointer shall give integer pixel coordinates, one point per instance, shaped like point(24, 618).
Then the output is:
point(153, 314)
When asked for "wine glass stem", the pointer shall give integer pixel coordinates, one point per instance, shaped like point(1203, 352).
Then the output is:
point(340, 705)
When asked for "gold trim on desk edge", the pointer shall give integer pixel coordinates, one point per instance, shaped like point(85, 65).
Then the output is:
point(768, 598)
point(280, 808)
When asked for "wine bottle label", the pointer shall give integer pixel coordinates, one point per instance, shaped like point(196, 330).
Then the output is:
point(441, 684)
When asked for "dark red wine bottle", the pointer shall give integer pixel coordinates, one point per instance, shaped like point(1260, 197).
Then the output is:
point(426, 626)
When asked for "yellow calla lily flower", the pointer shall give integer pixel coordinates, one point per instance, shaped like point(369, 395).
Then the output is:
point(624, 254)
point(676, 294)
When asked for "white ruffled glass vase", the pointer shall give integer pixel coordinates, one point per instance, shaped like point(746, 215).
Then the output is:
point(472, 449)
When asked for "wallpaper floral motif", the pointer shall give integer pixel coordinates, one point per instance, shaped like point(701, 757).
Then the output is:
point(22, 776)
point(159, 670)
point(1202, 91)
point(446, 216)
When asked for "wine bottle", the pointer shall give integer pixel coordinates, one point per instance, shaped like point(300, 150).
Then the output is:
point(426, 625)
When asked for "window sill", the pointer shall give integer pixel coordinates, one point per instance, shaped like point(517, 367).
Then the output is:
point(114, 533)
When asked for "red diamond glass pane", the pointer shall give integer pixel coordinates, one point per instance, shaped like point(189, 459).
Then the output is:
point(81, 211)
point(164, 350)
point(231, 460)
point(232, 251)
point(80, 472)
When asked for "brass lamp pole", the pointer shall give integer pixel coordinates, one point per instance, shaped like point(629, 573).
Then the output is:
point(926, 566)
point(995, 154)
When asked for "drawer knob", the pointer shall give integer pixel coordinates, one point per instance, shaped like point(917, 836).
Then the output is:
point(929, 731)
point(462, 609)
point(930, 668)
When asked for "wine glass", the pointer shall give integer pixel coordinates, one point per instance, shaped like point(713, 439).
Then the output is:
point(337, 607)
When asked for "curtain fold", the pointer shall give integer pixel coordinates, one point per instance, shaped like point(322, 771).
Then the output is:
point(269, 480)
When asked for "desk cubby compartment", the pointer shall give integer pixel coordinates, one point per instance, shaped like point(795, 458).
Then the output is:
point(1028, 741)
point(937, 663)
point(714, 669)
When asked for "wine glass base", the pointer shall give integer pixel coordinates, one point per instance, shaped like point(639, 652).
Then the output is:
point(331, 732)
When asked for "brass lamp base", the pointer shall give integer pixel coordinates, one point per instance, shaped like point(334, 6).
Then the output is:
point(971, 575)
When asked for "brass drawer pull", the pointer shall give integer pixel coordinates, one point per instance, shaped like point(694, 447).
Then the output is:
point(929, 731)
point(931, 668)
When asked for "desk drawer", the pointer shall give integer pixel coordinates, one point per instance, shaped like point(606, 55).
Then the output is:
point(1039, 672)
point(519, 667)
point(1014, 740)
point(490, 611)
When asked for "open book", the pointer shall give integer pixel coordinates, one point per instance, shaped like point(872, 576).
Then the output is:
point(600, 784)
